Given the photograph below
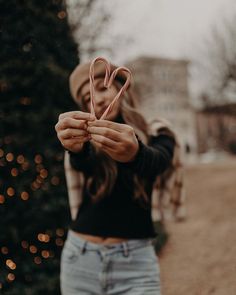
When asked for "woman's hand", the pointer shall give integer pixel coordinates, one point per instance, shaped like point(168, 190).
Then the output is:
point(71, 129)
point(116, 140)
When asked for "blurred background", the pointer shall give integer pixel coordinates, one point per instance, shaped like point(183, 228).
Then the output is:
point(183, 58)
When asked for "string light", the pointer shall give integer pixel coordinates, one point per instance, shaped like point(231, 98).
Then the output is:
point(11, 277)
point(37, 260)
point(2, 199)
point(14, 172)
point(9, 157)
point(39, 182)
point(33, 249)
point(38, 159)
point(24, 196)
point(43, 238)
point(60, 232)
point(55, 180)
point(25, 100)
point(34, 186)
point(61, 14)
point(4, 250)
point(59, 242)
point(10, 191)
point(43, 173)
point(39, 179)
point(24, 244)
point(45, 254)
point(25, 166)
point(20, 159)
point(1, 153)
point(11, 264)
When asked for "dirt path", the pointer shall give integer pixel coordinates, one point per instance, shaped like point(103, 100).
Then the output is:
point(200, 257)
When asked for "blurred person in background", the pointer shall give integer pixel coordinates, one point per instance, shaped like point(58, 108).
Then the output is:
point(111, 166)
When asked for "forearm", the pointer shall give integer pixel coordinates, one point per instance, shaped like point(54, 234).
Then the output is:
point(153, 160)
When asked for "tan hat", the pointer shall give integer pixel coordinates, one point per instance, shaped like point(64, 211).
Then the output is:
point(80, 76)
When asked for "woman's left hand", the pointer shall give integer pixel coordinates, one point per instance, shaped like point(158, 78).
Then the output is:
point(115, 139)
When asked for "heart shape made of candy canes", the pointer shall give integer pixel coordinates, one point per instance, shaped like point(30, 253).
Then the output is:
point(108, 80)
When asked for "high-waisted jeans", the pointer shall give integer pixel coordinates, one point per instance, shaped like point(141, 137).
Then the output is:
point(127, 268)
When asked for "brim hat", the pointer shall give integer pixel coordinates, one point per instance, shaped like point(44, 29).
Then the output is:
point(80, 76)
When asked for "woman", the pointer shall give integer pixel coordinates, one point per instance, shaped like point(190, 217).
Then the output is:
point(109, 244)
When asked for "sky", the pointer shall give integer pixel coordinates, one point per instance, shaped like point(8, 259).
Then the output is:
point(177, 29)
point(168, 28)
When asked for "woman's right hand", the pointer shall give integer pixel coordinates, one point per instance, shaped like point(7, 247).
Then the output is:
point(71, 129)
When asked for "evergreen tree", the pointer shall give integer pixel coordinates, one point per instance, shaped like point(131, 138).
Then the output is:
point(37, 55)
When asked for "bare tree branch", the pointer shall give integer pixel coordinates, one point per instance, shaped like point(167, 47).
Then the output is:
point(219, 64)
point(88, 20)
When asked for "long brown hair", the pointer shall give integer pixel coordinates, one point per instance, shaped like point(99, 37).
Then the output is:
point(101, 183)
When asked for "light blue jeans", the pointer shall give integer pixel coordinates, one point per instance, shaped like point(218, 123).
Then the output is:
point(127, 268)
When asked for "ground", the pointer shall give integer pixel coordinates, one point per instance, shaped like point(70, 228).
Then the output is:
point(200, 256)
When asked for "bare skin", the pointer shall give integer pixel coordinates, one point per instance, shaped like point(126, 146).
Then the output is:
point(100, 240)
point(72, 131)
point(115, 139)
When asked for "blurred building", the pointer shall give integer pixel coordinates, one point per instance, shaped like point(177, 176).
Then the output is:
point(162, 86)
point(216, 128)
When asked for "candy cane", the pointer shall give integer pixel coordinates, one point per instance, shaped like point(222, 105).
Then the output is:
point(108, 80)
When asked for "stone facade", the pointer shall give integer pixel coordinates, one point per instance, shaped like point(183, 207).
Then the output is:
point(216, 128)
point(162, 87)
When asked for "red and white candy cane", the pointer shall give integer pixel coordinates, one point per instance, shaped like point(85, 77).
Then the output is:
point(108, 80)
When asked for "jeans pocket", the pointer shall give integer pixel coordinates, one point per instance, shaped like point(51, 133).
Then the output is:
point(70, 253)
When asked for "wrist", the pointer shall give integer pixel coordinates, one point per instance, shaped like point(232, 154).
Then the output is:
point(134, 155)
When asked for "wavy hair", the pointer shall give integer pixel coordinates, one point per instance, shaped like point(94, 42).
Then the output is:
point(101, 183)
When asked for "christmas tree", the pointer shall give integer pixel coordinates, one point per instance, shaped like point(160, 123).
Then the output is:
point(37, 55)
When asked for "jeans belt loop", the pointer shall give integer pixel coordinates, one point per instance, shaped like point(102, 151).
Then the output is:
point(83, 248)
point(125, 249)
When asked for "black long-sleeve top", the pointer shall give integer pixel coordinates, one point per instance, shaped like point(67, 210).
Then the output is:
point(119, 214)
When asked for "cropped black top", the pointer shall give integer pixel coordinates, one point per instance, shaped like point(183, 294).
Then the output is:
point(119, 214)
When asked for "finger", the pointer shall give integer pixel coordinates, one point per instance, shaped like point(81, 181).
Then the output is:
point(108, 124)
point(68, 122)
point(67, 143)
point(103, 141)
point(77, 115)
point(108, 150)
point(97, 144)
point(69, 133)
point(106, 132)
